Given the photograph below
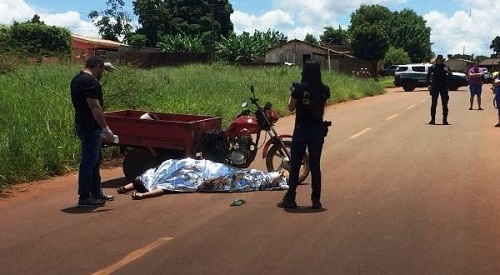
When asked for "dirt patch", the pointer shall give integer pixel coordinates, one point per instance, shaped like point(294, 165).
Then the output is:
point(17, 188)
point(112, 162)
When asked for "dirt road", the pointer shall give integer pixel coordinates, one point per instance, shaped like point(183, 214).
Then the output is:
point(400, 197)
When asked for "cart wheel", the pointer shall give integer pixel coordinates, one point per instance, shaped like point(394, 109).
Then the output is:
point(137, 161)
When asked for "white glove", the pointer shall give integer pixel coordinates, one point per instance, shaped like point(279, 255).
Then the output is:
point(107, 134)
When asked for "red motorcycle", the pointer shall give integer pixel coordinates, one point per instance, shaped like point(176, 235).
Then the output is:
point(237, 147)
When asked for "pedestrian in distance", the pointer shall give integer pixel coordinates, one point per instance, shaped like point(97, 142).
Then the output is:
point(437, 80)
point(475, 84)
point(91, 127)
point(496, 90)
point(307, 99)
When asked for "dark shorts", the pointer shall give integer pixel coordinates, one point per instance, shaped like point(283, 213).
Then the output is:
point(476, 89)
point(497, 101)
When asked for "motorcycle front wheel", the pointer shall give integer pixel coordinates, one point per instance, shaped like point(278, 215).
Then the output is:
point(276, 160)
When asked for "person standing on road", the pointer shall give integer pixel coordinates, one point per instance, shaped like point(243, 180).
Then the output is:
point(496, 90)
point(437, 80)
point(308, 99)
point(475, 84)
point(91, 127)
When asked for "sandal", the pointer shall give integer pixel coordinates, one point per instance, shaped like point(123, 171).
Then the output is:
point(238, 202)
point(137, 196)
point(121, 190)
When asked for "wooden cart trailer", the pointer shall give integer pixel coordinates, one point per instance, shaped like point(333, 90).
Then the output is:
point(147, 142)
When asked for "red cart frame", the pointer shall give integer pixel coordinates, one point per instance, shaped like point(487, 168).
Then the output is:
point(146, 143)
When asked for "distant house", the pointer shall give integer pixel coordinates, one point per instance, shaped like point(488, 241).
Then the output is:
point(297, 52)
point(459, 64)
point(493, 64)
point(83, 47)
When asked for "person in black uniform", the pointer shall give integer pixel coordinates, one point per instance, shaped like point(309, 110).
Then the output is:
point(90, 124)
point(437, 80)
point(308, 99)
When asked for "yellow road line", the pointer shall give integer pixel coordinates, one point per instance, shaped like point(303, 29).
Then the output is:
point(360, 133)
point(132, 256)
point(391, 117)
point(411, 107)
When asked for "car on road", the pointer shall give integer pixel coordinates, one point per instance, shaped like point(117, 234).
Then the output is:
point(487, 78)
point(390, 70)
point(410, 76)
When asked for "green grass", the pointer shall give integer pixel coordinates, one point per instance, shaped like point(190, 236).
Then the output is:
point(37, 140)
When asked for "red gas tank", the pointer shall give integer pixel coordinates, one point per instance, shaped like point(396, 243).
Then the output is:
point(243, 125)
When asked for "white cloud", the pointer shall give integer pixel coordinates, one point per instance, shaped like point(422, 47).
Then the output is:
point(467, 31)
point(14, 10)
point(20, 11)
point(273, 20)
point(72, 21)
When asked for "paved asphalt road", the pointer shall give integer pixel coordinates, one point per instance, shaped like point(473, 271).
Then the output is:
point(400, 197)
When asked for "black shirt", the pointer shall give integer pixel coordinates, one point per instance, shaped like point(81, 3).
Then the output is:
point(85, 86)
point(437, 76)
point(310, 103)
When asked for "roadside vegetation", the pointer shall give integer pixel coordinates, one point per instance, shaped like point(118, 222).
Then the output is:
point(37, 140)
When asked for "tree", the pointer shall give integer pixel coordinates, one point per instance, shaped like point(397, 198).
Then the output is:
point(408, 31)
point(113, 22)
point(245, 48)
point(136, 40)
point(405, 30)
point(495, 45)
point(4, 32)
point(396, 56)
point(5, 44)
point(36, 20)
point(39, 40)
point(370, 42)
point(368, 31)
point(311, 39)
point(370, 15)
point(334, 36)
point(208, 18)
point(181, 44)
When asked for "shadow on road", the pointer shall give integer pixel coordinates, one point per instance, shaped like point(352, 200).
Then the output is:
point(114, 183)
point(83, 210)
point(304, 210)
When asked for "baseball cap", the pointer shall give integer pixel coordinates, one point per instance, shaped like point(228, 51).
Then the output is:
point(95, 61)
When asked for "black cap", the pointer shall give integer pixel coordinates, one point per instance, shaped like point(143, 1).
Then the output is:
point(439, 57)
point(94, 61)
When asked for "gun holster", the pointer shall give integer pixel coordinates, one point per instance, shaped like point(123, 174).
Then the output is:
point(326, 124)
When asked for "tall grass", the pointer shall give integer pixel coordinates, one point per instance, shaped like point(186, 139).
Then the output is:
point(36, 116)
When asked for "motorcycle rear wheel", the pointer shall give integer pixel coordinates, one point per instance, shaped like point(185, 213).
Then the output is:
point(276, 160)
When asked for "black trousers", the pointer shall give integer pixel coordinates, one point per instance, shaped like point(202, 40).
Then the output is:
point(312, 139)
point(435, 93)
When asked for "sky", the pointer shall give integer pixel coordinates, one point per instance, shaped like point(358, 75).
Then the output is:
point(457, 26)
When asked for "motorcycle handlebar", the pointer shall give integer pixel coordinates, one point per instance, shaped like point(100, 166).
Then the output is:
point(255, 100)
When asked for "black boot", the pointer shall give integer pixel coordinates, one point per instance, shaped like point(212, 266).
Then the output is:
point(288, 201)
point(316, 204)
point(433, 120)
point(445, 120)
